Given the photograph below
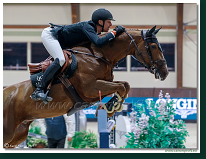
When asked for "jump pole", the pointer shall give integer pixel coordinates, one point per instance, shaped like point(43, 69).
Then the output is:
point(102, 127)
point(100, 99)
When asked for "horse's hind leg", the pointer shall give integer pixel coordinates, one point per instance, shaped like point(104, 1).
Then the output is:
point(20, 135)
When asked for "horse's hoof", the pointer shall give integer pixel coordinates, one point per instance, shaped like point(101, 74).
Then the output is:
point(113, 104)
point(116, 107)
point(126, 96)
point(118, 96)
point(118, 103)
point(109, 109)
point(120, 109)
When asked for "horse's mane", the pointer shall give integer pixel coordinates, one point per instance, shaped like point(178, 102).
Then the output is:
point(103, 34)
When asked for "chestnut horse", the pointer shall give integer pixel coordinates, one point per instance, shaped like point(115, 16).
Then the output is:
point(91, 75)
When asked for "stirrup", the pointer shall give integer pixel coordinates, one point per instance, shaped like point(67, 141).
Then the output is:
point(46, 98)
point(41, 96)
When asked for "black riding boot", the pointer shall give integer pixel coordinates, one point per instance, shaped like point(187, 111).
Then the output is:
point(39, 94)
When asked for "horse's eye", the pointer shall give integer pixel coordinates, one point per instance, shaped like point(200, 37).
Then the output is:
point(154, 46)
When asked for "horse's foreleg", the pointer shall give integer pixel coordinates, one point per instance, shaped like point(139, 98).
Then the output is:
point(20, 135)
point(106, 89)
point(126, 85)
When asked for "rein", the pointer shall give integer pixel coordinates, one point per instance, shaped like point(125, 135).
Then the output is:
point(139, 53)
point(79, 52)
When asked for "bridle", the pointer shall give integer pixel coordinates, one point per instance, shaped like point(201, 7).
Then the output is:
point(151, 66)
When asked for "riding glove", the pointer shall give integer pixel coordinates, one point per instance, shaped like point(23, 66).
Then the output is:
point(119, 29)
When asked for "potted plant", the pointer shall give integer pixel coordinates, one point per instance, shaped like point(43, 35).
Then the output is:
point(36, 143)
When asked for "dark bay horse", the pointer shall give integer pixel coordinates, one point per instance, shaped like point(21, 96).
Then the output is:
point(91, 75)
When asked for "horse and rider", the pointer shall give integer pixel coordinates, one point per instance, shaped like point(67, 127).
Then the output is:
point(93, 73)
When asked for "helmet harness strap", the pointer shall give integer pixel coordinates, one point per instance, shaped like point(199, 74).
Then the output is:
point(102, 25)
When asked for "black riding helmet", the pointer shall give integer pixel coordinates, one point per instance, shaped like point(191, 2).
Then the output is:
point(101, 14)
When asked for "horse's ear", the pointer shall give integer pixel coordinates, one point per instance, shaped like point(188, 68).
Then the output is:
point(149, 33)
point(156, 31)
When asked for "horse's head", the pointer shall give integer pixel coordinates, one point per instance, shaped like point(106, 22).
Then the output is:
point(150, 54)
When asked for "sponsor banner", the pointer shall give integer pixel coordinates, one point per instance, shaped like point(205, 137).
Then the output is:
point(186, 108)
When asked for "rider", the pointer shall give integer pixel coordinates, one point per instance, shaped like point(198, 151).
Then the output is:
point(58, 37)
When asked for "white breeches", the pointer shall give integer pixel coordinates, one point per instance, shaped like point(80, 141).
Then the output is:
point(52, 45)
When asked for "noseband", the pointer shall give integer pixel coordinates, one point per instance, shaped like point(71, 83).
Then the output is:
point(151, 66)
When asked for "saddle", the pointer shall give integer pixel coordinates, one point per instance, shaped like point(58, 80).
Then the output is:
point(42, 66)
point(66, 72)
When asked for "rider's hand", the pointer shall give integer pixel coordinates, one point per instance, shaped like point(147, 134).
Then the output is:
point(119, 29)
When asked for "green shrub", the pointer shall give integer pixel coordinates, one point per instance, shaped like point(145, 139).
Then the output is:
point(32, 142)
point(157, 130)
point(83, 140)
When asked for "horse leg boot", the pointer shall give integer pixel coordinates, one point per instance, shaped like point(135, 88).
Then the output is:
point(39, 94)
point(127, 87)
point(113, 103)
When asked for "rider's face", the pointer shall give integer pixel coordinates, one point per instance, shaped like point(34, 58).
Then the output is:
point(107, 24)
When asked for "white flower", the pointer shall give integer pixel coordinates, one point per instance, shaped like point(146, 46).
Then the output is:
point(138, 129)
point(162, 113)
point(162, 104)
point(172, 116)
point(145, 132)
point(133, 129)
point(143, 115)
point(167, 96)
point(160, 95)
point(171, 121)
point(147, 118)
point(152, 113)
point(126, 139)
point(178, 130)
point(171, 129)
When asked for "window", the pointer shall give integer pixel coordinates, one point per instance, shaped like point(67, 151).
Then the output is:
point(38, 52)
point(15, 56)
point(122, 65)
point(169, 54)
